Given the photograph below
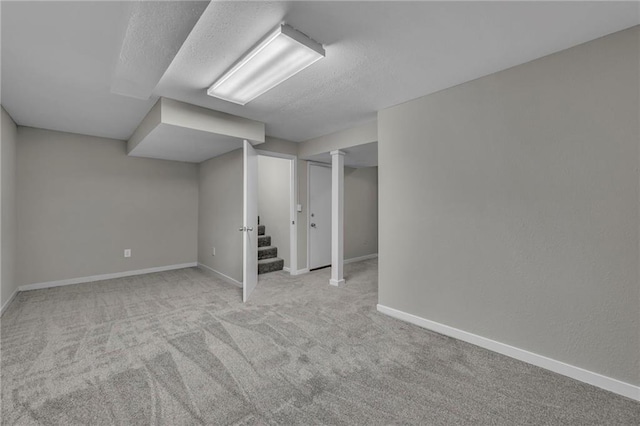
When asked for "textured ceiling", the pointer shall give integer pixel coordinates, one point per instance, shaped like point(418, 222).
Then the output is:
point(59, 59)
point(148, 48)
point(57, 64)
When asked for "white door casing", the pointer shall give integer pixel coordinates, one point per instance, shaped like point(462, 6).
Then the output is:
point(319, 215)
point(293, 194)
point(250, 221)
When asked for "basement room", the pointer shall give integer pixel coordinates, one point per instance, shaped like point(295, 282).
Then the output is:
point(320, 213)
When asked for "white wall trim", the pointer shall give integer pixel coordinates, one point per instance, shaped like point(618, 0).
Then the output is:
point(352, 260)
point(92, 278)
point(8, 302)
point(220, 275)
point(577, 373)
point(360, 258)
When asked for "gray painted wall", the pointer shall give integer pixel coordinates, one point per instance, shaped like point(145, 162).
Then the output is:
point(509, 206)
point(360, 212)
point(220, 214)
point(274, 202)
point(219, 204)
point(8, 284)
point(81, 201)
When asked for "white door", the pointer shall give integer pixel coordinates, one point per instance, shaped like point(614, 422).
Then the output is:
point(319, 216)
point(250, 222)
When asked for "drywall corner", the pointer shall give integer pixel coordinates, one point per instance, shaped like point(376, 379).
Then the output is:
point(8, 213)
point(280, 146)
point(146, 126)
point(182, 114)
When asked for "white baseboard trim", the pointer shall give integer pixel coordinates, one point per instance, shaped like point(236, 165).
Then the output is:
point(8, 302)
point(577, 373)
point(92, 278)
point(358, 259)
point(352, 260)
point(337, 283)
point(220, 275)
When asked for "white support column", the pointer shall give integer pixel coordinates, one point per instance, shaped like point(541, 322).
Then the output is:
point(337, 218)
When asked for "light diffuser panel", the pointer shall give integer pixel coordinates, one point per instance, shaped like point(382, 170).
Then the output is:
point(277, 57)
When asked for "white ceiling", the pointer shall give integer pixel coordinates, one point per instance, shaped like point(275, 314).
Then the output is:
point(57, 65)
point(59, 59)
point(148, 48)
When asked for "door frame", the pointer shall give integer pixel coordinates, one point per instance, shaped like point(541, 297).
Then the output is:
point(309, 164)
point(249, 220)
point(293, 202)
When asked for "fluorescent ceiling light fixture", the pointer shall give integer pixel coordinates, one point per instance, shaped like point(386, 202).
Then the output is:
point(280, 55)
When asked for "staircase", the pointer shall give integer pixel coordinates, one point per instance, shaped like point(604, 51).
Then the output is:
point(268, 260)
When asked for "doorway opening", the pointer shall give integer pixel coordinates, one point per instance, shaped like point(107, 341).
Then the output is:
point(319, 216)
point(277, 247)
point(360, 207)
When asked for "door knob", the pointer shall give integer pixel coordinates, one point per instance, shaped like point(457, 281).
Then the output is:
point(242, 229)
point(249, 229)
point(313, 225)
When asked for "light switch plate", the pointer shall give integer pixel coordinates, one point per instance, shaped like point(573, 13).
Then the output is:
point(299, 207)
point(127, 252)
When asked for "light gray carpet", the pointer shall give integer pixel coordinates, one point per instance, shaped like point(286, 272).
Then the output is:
point(180, 348)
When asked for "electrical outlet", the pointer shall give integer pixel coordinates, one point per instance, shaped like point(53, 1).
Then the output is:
point(127, 252)
point(213, 252)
